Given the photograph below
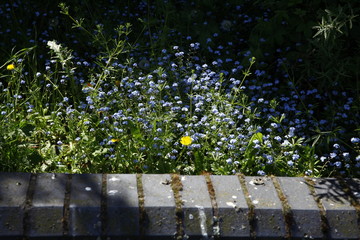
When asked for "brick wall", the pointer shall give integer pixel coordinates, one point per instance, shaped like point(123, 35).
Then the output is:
point(129, 206)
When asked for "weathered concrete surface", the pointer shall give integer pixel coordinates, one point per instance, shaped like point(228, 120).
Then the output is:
point(270, 222)
point(13, 190)
point(197, 208)
point(122, 206)
point(233, 210)
point(341, 216)
point(46, 213)
point(95, 206)
point(85, 205)
point(159, 206)
point(354, 185)
point(306, 220)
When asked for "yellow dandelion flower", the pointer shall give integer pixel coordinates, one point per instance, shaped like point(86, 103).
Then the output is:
point(10, 67)
point(186, 140)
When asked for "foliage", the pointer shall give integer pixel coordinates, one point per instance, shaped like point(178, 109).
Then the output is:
point(183, 88)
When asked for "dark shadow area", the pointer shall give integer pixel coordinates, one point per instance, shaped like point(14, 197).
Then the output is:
point(332, 189)
point(354, 186)
point(13, 192)
point(64, 206)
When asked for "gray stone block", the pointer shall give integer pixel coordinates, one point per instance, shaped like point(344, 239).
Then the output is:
point(43, 214)
point(306, 214)
point(340, 214)
point(197, 208)
point(269, 218)
point(85, 205)
point(13, 190)
point(122, 206)
point(233, 209)
point(354, 185)
point(159, 204)
point(46, 213)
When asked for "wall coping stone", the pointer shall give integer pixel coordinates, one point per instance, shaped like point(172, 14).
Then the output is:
point(170, 206)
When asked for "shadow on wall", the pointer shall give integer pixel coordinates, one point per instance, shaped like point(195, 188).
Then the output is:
point(332, 189)
point(48, 204)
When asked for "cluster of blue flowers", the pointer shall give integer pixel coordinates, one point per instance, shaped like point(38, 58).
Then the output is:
point(137, 110)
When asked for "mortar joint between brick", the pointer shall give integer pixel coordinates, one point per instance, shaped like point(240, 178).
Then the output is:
point(350, 197)
point(66, 207)
point(286, 209)
point(177, 187)
point(141, 200)
point(103, 205)
point(28, 205)
point(251, 206)
point(214, 205)
point(325, 227)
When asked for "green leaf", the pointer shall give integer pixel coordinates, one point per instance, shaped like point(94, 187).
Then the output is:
point(250, 151)
point(257, 136)
point(100, 152)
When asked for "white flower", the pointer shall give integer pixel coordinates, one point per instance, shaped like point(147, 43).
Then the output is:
point(54, 46)
point(285, 143)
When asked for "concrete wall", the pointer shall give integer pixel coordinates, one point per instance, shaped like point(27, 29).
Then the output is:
point(129, 206)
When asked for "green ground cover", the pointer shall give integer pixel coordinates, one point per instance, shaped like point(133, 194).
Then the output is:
point(257, 87)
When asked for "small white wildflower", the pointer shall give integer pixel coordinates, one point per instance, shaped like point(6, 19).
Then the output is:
point(54, 46)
